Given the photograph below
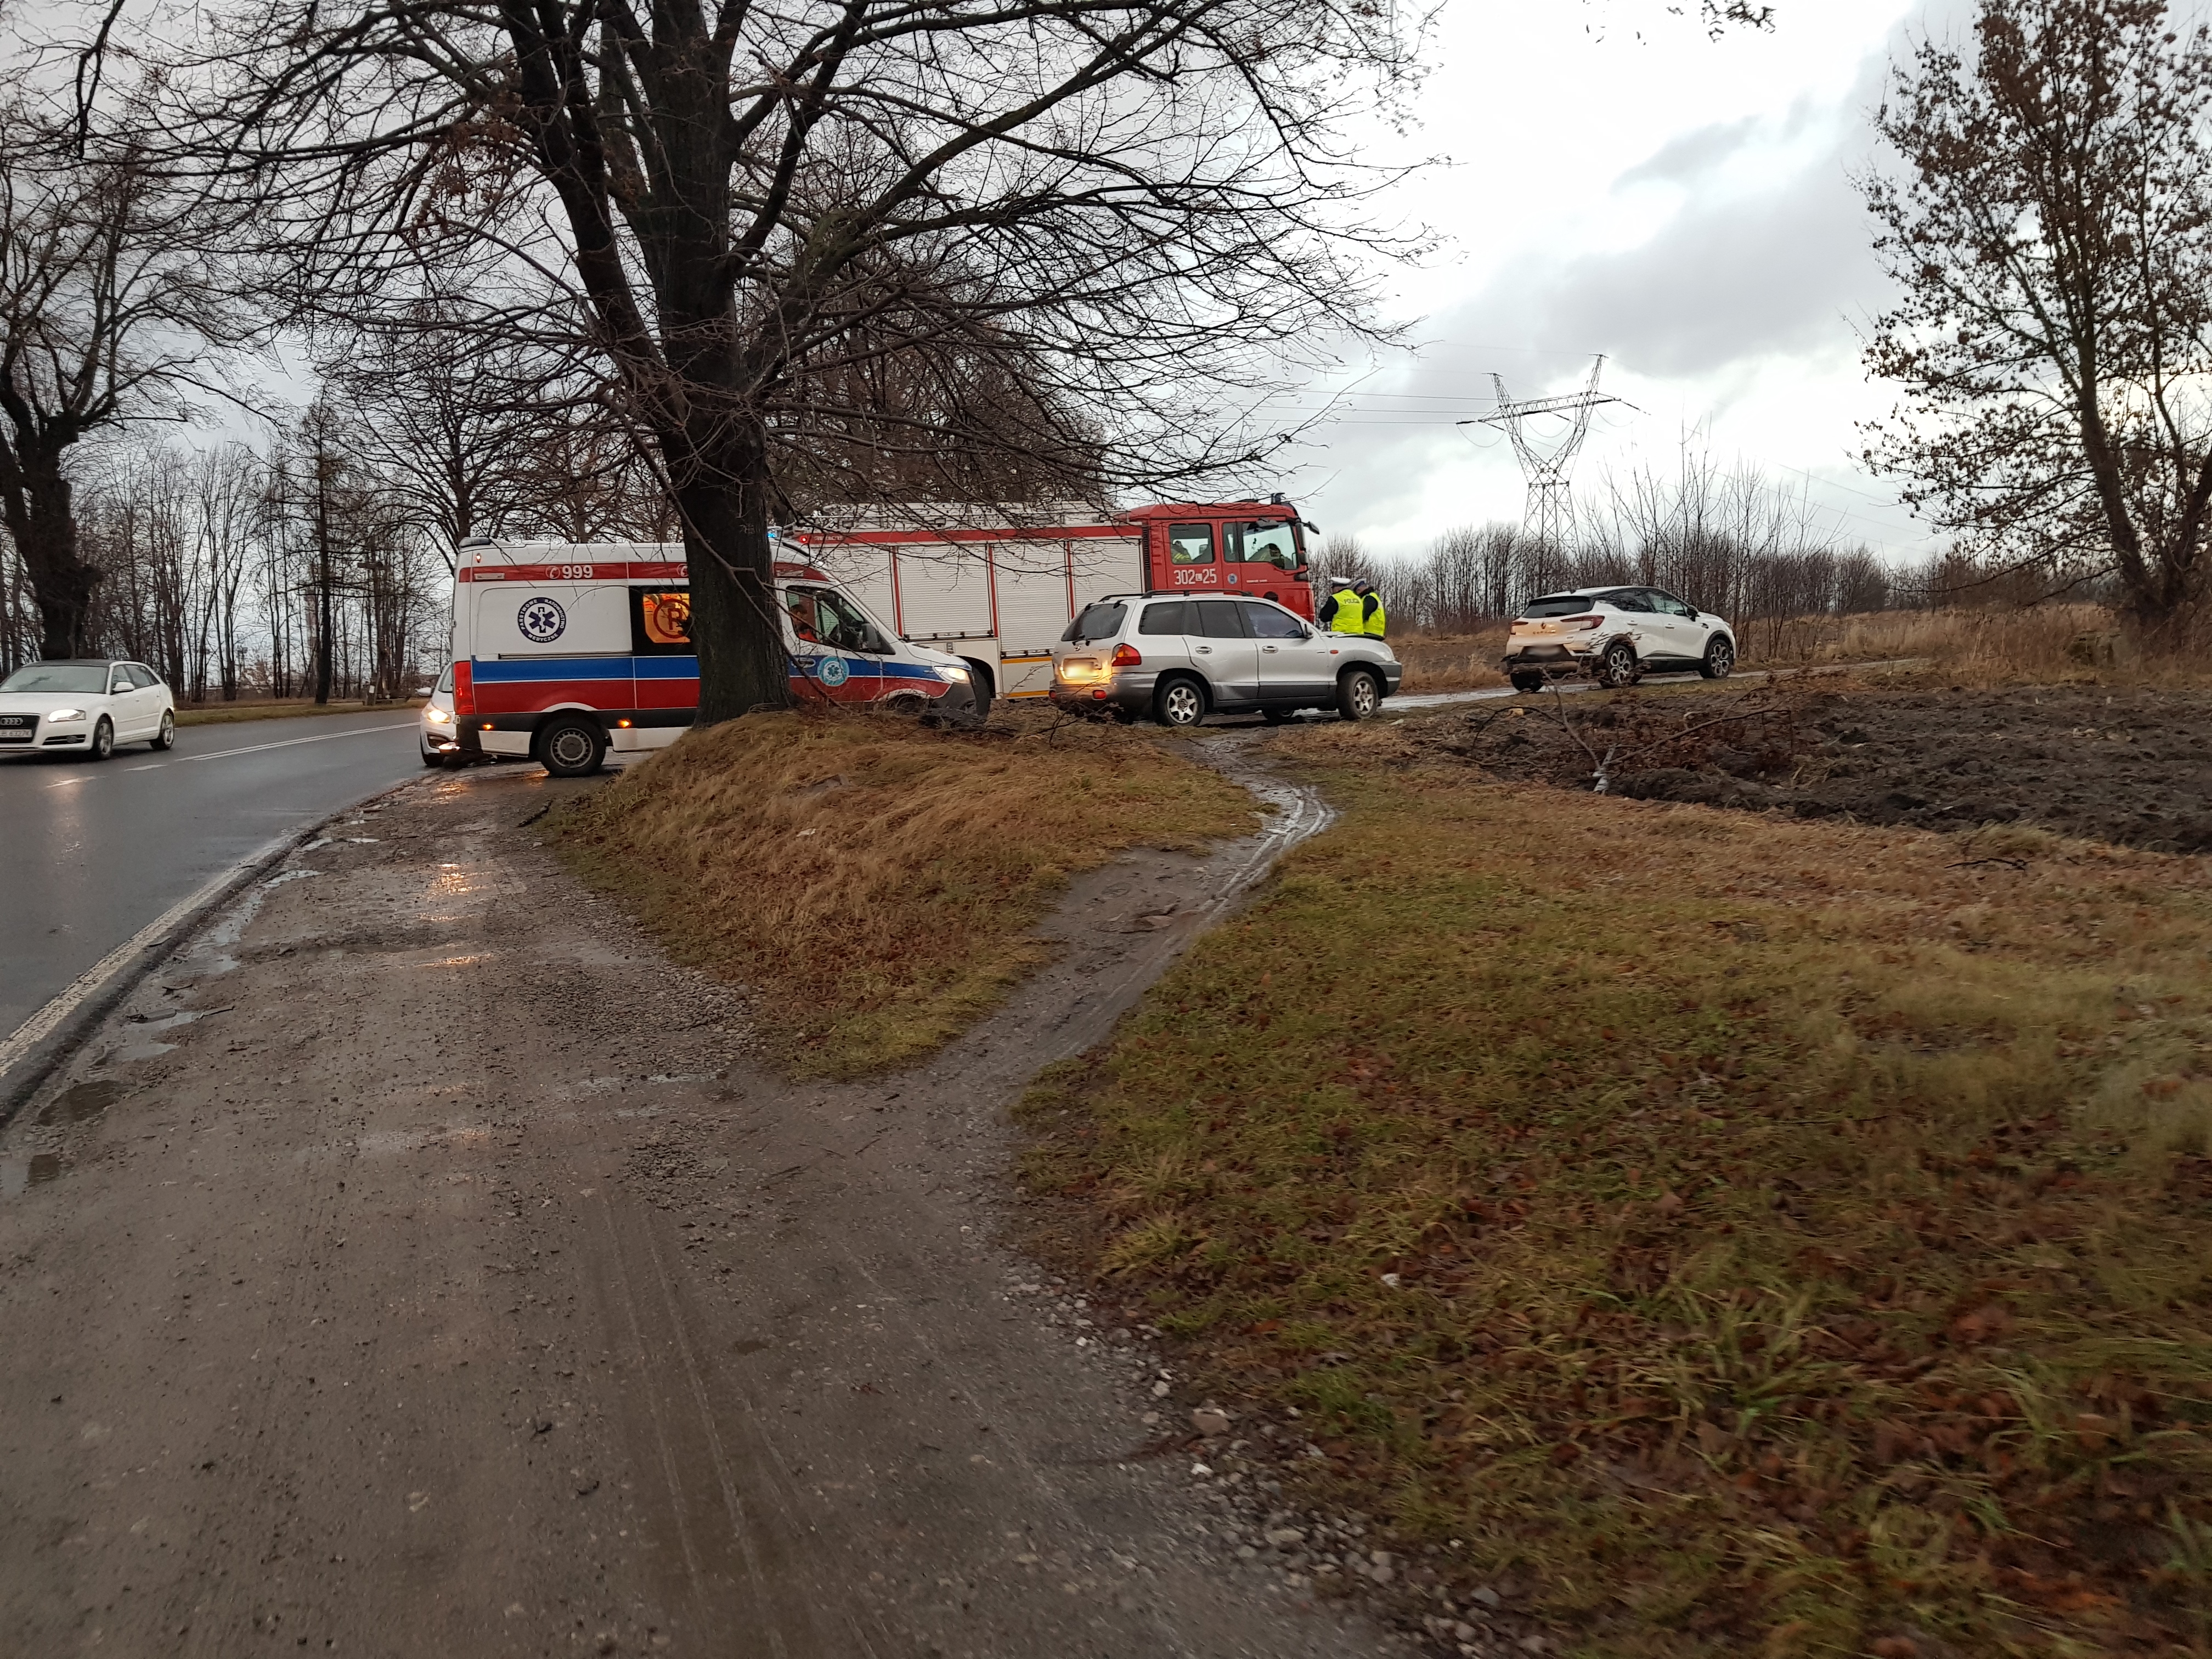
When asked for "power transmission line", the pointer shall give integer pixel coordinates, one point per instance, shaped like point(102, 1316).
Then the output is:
point(1550, 512)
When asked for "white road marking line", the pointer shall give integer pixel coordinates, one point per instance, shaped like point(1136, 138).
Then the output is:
point(249, 748)
point(42, 1023)
point(287, 743)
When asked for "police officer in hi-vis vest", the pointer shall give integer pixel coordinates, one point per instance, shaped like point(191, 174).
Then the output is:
point(1341, 612)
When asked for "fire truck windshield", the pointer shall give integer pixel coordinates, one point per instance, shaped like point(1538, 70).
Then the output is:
point(1264, 542)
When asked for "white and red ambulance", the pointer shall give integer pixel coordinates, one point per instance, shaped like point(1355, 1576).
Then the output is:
point(563, 651)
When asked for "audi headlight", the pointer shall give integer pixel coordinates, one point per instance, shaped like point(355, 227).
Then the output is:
point(64, 716)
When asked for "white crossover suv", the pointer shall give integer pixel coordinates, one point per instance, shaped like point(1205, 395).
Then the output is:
point(1616, 635)
point(1180, 659)
point(85, 706)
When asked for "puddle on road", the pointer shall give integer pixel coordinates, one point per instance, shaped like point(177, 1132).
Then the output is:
point(17, 1173)
point(81, 1101)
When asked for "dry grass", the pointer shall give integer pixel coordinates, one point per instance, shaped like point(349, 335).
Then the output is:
point(2047, 645)
point(1451, 662)
point(871, 881)
point(223, 713)
point(1798, 1234)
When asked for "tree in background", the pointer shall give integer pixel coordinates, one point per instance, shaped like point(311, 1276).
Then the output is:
point(2051, 229)
point(106, 308)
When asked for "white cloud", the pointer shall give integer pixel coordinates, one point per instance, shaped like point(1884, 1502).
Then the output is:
point(1683, 206)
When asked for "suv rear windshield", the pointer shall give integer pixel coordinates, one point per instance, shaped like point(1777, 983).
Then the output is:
point(1558, 605)
point(1097, 622)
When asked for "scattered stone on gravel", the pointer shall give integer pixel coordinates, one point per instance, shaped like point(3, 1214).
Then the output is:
point(1209, 1421)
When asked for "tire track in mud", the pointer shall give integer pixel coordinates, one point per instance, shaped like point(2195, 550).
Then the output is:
point(638, 1348)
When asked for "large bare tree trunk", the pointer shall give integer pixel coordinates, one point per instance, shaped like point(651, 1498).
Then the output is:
point(36, 501)
point(723, 495)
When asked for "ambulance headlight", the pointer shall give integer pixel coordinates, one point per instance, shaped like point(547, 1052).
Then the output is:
point(954, 673)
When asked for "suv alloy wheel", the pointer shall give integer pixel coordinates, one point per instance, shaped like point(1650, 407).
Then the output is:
point(1179, 702)
point(1618, 667)
point(1720, 658)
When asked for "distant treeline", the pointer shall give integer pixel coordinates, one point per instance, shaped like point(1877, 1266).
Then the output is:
point(1727, 542)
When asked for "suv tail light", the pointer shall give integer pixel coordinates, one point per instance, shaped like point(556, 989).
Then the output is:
point(1581, 622)
point(1126, 656)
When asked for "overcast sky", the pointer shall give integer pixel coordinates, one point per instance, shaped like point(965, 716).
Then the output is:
point(1619, 183)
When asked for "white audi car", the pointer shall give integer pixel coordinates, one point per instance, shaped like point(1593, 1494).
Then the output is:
point(85, 706)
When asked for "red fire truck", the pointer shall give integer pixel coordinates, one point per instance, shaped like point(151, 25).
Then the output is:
point(999, 596)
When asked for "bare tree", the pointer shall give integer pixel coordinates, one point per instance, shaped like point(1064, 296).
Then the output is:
point(2051, 230)
point(106, 310)
point(1145, 201)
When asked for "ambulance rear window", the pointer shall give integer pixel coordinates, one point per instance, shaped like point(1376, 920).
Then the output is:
point(1097, 622)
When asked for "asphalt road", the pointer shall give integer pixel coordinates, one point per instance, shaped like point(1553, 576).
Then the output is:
point(95, 852)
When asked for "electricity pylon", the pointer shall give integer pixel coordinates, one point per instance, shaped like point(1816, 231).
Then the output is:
point(1550, 512)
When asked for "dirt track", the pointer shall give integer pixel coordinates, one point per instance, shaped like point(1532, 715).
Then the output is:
point(417, 1266)
point(2133, 767)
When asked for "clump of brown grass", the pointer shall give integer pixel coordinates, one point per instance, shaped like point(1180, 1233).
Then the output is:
point(872, 881)
point(1742, 1234)
point(2050, 644)
point(1451, 662)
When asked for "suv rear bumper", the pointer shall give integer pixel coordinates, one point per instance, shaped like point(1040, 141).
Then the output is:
point(1552, 661)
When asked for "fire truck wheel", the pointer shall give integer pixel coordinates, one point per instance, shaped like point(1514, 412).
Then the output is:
point(1617, 666)
point(1180, 701)
point(572, 747)
point(1358, 693)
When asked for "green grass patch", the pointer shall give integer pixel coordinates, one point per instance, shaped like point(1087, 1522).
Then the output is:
point(873, 882)
point(1746, 1235)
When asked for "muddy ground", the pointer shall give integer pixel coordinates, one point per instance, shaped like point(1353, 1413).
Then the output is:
point(2131, 767)
point(418, 1264)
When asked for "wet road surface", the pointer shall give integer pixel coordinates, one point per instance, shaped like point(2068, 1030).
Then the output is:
point(419, 1263)
point(97, 851)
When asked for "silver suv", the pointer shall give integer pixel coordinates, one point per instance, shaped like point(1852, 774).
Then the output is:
point(1181, 660)
point(1616, 635)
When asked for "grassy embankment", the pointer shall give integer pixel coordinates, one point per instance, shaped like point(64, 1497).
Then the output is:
point(1802, 1240)
point(223, 713)
point(873, 882)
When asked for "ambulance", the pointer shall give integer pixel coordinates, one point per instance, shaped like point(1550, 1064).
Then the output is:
point(563, 651)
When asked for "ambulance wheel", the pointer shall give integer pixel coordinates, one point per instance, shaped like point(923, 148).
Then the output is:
point(572, 747)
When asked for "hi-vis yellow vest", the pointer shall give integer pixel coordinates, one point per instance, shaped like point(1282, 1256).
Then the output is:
point(1345, 619)
point(1375, 622)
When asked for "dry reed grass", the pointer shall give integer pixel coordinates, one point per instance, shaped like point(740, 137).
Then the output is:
point(1451, 662)
point(1745, 1235)
point(2044, 645)
point(871, 881)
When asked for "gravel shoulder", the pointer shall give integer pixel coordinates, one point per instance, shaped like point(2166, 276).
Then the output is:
point(419, 1263)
